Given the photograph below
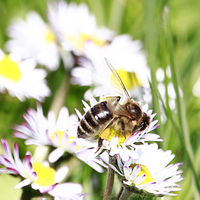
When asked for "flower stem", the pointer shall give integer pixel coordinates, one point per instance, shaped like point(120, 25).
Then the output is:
point(120, 193)
point(110, 179)
point(124, 194)
point(60, 96)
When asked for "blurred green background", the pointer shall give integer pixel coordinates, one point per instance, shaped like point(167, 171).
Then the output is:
point(175, 42)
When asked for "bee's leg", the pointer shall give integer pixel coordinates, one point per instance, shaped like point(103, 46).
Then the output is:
point(123, 129)
point(100, 142)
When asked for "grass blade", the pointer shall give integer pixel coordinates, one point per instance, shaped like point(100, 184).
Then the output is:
point(185, 139)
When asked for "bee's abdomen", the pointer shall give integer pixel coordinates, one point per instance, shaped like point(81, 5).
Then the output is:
point(94, 120)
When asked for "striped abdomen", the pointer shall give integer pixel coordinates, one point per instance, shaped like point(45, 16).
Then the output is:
point(94, 121)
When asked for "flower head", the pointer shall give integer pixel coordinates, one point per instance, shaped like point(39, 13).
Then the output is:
point(21, 79)
point(150, 172)
point(39, 130)
point(115, 142)
point(74, 34)
point(33, 38)
point(39, 175)
point(127, 58)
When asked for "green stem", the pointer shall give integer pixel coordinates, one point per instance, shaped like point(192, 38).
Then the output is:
point(116, 15)
point(120, 193)
point(124, 194)
point(151, 46)
point(60, 96)
point(110, 179)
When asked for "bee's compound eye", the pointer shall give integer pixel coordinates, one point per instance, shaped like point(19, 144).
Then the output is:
point(143, 126)
point(145, 122)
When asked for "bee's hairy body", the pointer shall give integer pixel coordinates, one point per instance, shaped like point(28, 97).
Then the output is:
point(94, 121)
point(127, 117)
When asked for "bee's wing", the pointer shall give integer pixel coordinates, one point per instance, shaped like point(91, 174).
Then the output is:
point(116, 81)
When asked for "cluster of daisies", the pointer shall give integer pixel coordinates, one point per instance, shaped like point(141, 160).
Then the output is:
point(72, 36)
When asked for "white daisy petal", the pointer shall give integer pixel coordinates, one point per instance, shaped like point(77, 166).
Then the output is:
point(61, 173)
point(55, 155)
point(23, 183)
point(66, 190)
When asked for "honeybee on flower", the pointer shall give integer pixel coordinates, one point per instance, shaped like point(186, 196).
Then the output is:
point(119, 120)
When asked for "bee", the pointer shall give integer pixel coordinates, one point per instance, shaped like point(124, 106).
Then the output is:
point(126, 116)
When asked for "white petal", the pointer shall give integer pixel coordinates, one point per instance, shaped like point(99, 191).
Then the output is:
point(61, 173)
point(66, 190)
point(123, 154)
point(79, 114)
point(23, 183)
point(55, 155)
point(127, 171)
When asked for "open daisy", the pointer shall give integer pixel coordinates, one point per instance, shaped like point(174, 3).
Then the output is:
point(21, 79)
point(39, 130)
point(33, 38)
point(39, 175)
point(61, 133)
point(150, 173)
point(74, 25)
point(114, 141)
point(127, 58)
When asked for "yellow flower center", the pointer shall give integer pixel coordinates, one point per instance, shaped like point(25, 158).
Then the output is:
point(45, 175)
point(129, 79)
point(59, 133)
point(50, 36)
point(10, 69)
point(144, 170)
point(60, 138)
point(109, 133)
point(78, 42)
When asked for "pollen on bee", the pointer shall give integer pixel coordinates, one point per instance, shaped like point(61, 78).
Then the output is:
point(105, 133)
point(109, 133)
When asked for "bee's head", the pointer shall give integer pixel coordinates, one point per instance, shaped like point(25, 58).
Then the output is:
point(145, 122)
point(134, 110)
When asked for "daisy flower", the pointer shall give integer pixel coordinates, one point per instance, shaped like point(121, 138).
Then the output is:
point(39, 130)
point(74, 25)
point(33, 38)
point(39, 175)
point(127, 58)
point(61, 133)
point(21, 79)
point(150, 173)
point(114, 141)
